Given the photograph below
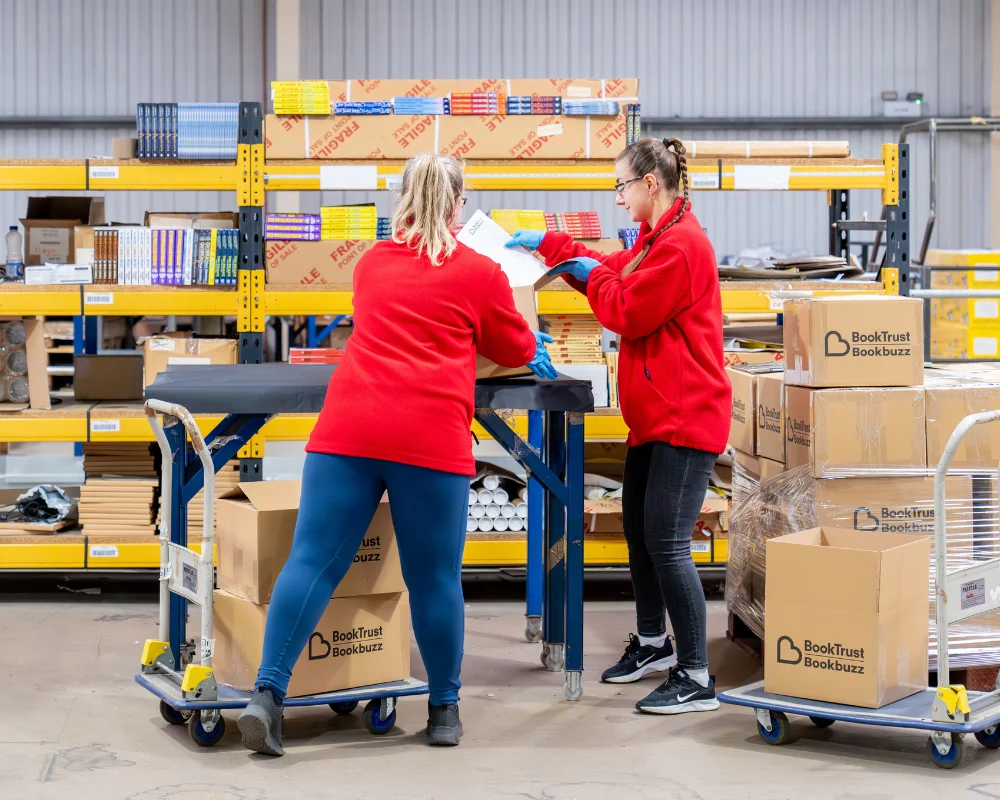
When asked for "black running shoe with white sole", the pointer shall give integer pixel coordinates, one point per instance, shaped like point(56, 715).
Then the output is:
point(679, 694)
point(639, 660)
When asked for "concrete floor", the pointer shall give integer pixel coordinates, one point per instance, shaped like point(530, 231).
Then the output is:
point(74, 725)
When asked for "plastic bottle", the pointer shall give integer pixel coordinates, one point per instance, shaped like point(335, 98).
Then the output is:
point(15, 262)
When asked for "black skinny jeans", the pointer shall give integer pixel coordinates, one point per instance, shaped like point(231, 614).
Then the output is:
point(664, 490)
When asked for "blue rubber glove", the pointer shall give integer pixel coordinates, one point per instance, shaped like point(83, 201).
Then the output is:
point(526, 238)
point(540, 364)
point(579, 268)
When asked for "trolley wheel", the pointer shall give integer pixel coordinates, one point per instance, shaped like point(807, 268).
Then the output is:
point(781, 729)
point(953, 757)
point(202, 737)
point(374, 722)
point(345, 707)
point(172, 715)
point(990, 737)
point(821, 722)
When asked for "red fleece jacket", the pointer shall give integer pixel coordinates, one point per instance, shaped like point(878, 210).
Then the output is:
point(405, 389)
point(672, 385)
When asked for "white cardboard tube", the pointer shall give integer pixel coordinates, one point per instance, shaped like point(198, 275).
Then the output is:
point(507, 511)
point(477, 511)
point(515, 524)
point(485, 496)
point(491, 482)
point(523, 494)
point(500, 496)
point(492, 511)
point(471, 524)
point(500, 524)
point(473, 496)
point(485, 524)
point(521, 509)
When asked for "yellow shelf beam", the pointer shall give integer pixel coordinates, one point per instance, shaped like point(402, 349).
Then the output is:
point(105, 300)
point(19, 300)
point(55, 552)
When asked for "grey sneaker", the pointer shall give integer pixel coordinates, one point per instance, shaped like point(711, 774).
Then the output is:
point(260, 724)
point(443, 725)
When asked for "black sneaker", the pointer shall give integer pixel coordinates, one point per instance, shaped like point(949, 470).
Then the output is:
point(639, 660)
point(679, 694)
point(260, 724)
point(444, 728)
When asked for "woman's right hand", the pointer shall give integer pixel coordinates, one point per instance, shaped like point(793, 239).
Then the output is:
point(526, 238)
point(541, 365)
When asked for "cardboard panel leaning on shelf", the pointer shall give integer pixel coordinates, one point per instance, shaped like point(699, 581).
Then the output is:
point(24, 380)
point(161, 351)
point(49, 227)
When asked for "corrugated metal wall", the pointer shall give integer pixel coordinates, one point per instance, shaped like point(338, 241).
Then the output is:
point(694, 58)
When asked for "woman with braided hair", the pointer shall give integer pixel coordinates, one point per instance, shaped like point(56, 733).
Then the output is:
point(662, 298)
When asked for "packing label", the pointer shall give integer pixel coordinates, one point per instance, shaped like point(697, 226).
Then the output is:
point(108, 173)
point(187, 360)
point(163, 344)
point(761, 177)
point(986, 275)
point(701, 547)
point(552, 129)
point(105, 426)
point(578, 91)
point(103, 551)
point(974, 593)
point(99, 298)
point(355, 176)
point(704, 180)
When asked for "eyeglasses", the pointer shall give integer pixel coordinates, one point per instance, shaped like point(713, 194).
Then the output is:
point(620, 187)
point(464, 200)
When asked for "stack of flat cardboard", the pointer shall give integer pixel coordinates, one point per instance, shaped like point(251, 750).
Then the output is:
point(111, 506)
point(132, 459)
point(577, 339)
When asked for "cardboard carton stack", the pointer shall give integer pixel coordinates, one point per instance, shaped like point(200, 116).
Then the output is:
point(965, 328)
point(226, 479)
point(121, 493)
point(364, 635)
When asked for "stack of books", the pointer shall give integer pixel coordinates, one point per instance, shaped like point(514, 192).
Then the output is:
point(511, 219)
point(298, 227)
point(133, 256)
point(384, 230)
point(315, 355)
point(528, 104)
point(612, 361)
point(591, 108)
point(367, 107)
point(632, 122)
point(203, 131)
point(300, 97)
point(477, 103)
point(577, 339)
point(420, 105)
point(578, 224)
point(349, 222)
point(629, 236)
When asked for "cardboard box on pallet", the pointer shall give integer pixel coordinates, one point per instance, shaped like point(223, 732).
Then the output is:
point(160, 351)
point(357, 642)
point(946, 406)
point(771, 416)
point(311, 262)
point(743, 424)
point(863, 647)
point(255, 525)
point(853, 341)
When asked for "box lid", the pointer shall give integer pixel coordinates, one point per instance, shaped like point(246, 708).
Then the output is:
point(85, 209)
point(267, 495)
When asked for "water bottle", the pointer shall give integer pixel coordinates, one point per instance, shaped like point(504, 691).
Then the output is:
point(15, 263)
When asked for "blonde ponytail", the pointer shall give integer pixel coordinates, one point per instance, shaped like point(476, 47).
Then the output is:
point(432, 187)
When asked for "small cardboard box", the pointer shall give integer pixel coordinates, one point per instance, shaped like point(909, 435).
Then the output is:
point(305, 262)
point(124, 148)
point(108, 377)
point(771, 416)
point(38, 382)
point(839, 431)
point(255, 526)
point(853, 341)
point(357, 642)
point(49, 226)
point(846, 616)
point(159, 352)
point(743, 426)
point(947, 406)
point(524, 301)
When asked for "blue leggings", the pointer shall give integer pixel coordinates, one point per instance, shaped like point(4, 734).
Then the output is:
point(340, 495)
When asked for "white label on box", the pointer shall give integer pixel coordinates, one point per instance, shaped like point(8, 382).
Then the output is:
point(701, 547)
point(85, 255)
point(357, 176)
point(110, 173)
point(105, 426)
point(986, 309)
point(553, 129)
point(186, 361)
point(704, 180)
point(578, 91)
point(103, 551)
point(99, 298)
point(50, 244)
point(986, 275)
point(984, 346)
point(394, 182)
point(163, 344)
point(762, 176)
point(207, 647)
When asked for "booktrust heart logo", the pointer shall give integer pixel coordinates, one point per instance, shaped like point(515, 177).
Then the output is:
point(840, 345)
point(760, 415)
point(791, 655)
point(864, 520)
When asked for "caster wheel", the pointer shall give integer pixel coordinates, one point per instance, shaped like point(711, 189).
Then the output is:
point(819, 722)
point(533, 630)
point(172, 715)
point(952, 758)
point(376, 725)
point(572, 694)
point(989, 738)
point(202, 737)
point(781, 729)
point(346, 707)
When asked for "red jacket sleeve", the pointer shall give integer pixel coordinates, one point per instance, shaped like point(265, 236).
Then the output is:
point(503, 335)
point(557, 247)
point(639, 303)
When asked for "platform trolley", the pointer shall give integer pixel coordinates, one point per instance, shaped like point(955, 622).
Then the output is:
point(946, 712)
point(186, 686)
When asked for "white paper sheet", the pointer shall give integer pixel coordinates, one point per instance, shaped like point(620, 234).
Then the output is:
point(487, 238)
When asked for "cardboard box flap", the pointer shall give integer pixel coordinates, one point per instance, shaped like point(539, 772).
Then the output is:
point(88, 210)
point(898, 564)
point(267, 495)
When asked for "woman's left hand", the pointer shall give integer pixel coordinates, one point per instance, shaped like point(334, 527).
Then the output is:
point(578, 268)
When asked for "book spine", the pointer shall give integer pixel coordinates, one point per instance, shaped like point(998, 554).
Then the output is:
point(213, 256)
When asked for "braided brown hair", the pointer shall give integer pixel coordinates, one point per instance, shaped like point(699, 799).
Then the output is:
point(666, 159)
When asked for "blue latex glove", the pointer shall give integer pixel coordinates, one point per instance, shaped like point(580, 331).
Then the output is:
point(540, 364)
point(526, 238)
point(579, 268)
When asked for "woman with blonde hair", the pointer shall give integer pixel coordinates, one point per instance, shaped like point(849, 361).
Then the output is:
point(397, 418)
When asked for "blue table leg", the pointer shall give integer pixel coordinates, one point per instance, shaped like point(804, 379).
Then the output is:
point(574, 557)
point(177, 438)
point(535, 572)
point(310, 331)
point(554, 623)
